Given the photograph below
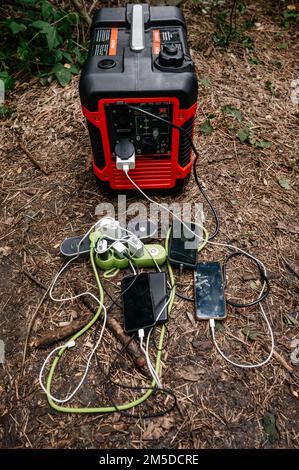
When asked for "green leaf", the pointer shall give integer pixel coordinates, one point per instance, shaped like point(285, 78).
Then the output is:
point(254, 61)
point(52, 38)
point(236, 113)
point(39, 24)
point(74, 69)
point(243, 134)
point(62, 74)
point(67, 56)
point(270, 426)
point(290, 320)
point(282, 45)
point(7, 79)
point(284, 182)
point(264, 144)
point(270, 87)
point(16, 27)
point(80, 55)
point(205, 82)
point(253, 285)
point(47, 10)
point(251, 335)
point(5, 111)
point(206, 127)
point(50, 32)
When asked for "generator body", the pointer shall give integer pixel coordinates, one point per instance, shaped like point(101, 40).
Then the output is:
point(139, 56)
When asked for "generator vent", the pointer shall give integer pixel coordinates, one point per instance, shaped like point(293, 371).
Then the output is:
point(185, 148)
point(97, 145)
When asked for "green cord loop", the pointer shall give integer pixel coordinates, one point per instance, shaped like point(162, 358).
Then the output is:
point(145, 396)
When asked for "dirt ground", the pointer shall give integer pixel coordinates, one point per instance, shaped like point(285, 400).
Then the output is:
point(218, 405)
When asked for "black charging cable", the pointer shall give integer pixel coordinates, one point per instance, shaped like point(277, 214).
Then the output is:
point(108, 382)
point(156, 391)
point(196, 177)
point(263, 279)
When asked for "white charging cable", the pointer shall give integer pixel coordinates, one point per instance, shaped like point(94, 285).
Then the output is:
point(148, 361)
point(147, 354)
point(71, 344)
point(227, 246)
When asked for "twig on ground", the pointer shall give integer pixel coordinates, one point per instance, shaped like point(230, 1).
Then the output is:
point(32, 159)
point(82, 11)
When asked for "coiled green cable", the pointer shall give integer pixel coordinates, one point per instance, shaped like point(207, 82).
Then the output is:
point(125, 406)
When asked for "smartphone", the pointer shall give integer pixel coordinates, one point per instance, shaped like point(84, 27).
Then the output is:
point(183, 244)
point(209, 291)
point(138, 305)
point(158, 286)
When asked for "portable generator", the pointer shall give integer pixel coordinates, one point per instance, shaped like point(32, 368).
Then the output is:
point(139, 57)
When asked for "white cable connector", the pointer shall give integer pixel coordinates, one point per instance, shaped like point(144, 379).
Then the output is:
point(135, 246)
point(120, 249)
point(141, 334)
point(110, 228)
point(148, 361)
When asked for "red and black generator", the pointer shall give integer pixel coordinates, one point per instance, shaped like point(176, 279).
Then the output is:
point(139, 55)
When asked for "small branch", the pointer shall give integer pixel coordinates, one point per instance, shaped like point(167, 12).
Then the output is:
point(33, 278)
point(118, 332)
point(66, 331)
point(93, 5)
point(60, 333)
point(278, 357)
point(82, 12)
point(32, 159)
point(231, 22)
point(290, 268)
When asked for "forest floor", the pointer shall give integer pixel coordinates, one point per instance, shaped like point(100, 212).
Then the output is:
point(255, 190)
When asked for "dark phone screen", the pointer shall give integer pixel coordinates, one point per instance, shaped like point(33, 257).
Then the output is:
point(183, 244)
point(138, 303)
point(209, 291)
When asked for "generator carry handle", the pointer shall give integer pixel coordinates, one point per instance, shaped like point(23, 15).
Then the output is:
point(137, 42)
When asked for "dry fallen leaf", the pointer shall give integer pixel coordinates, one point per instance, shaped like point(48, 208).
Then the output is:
point(191, 373)
point(158, 428)
point(5, 251)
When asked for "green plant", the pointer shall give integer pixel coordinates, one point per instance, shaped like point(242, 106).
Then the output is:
point(227, 29)
point(269, 86)
point(290, 16)
point(246, 136)
point(39, 40)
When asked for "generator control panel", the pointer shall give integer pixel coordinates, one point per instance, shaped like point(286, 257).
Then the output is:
point(149, 135)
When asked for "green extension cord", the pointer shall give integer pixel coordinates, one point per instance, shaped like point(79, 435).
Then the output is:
point(145, 396)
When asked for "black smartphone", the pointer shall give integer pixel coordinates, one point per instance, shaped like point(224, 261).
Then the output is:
point(138, 305)
point(209, 291)
point(183, 244)
point(158, 286)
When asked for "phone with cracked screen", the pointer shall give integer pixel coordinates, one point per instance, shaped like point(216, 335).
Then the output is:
point(138, 305)
point(209, 291)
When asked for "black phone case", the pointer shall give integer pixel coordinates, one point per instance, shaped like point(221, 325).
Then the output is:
point(124, 285)
point(175, 261)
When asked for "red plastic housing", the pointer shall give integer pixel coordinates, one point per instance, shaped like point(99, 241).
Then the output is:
point(149, 173)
